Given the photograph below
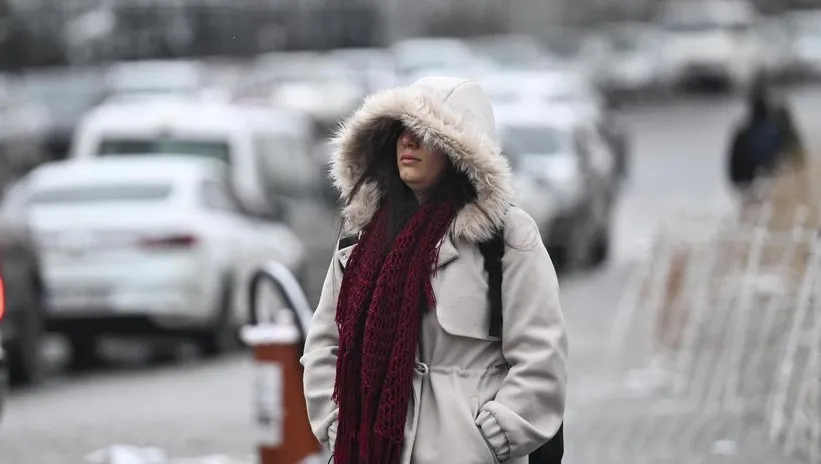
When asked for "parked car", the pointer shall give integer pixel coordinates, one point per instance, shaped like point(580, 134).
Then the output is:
point(23, 139)
point(631, 64)
point(566, 89)
point(710, 40)
point(4, 371)
point(267, 148)
point(576, 48)
point(565, 154)
point(149, 245)
point(23, 321)
point(512, 51)
point(151, 78)
point(374, 67)
point(66, 95)
point(778, 52)
point(323, 87)
point(444, 56)
point(805, 43)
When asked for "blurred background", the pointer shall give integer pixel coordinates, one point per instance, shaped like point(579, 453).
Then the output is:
point(154, 153)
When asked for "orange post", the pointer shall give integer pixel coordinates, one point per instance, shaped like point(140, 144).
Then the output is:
point(284, 433)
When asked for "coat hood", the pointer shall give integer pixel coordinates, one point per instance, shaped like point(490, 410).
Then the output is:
point(449, 114)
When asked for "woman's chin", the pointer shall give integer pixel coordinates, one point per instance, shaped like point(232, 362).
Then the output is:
point(410, 178)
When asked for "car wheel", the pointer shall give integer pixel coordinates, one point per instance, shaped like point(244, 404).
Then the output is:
point(163, 352)
point(85, 352)
point(26, 362)
point(601, 248)
point(221, 336)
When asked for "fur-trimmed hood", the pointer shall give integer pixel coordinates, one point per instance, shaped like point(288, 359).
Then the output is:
point(450, 114)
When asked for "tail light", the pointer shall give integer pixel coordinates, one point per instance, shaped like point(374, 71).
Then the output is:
point(2, 298)
point(170, 241)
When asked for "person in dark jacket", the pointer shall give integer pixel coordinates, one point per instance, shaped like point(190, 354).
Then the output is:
point(763, 141)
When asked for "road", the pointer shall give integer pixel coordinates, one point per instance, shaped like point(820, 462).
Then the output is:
point(197, 408)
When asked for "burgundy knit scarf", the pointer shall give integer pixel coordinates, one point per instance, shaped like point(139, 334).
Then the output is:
point(378, 315)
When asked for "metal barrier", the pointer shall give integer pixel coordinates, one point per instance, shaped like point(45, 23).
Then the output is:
point(727, 315)
point(288, 286)
point(284, 433)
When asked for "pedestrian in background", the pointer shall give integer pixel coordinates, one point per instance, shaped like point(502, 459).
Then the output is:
point(402, 364)
point(763, 143)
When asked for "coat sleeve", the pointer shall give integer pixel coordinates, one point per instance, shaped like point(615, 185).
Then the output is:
point(529, 406)
point(319, 361)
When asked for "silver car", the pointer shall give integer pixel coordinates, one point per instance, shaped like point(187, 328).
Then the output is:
point(576, 169)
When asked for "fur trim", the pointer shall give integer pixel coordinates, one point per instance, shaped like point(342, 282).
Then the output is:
point(457, 131)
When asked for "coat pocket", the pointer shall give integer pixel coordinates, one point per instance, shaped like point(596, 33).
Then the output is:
point(447, 431)
point(462, 305)
point(467, 317)
point(473, 405)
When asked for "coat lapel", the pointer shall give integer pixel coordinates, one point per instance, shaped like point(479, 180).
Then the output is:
point(447, 251)
point(343, 255)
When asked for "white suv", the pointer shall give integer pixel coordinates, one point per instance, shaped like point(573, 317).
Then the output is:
point(714, 40)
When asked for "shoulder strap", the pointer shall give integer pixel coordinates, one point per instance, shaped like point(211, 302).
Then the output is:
point(493, 250)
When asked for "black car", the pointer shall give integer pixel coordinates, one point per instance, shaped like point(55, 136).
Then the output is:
point(22, 325)
point(4, 373)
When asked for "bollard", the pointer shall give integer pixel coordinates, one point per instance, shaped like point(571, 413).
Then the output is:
point(284, 434)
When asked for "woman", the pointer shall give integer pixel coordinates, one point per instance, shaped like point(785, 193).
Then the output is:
point(399, 363)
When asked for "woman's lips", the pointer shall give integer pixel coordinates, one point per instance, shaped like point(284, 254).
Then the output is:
point(408, 160)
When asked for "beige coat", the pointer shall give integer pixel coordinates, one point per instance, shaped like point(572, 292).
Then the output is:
point(476, 399)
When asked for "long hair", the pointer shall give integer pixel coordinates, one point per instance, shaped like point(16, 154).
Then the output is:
point(398, 198)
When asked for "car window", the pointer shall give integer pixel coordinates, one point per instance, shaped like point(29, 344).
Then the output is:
point(216, 196)
point(147, 192)
point(14, 202)
point(533, 139)
point(152, 147)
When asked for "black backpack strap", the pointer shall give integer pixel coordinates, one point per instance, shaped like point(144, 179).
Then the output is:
point(493, 250)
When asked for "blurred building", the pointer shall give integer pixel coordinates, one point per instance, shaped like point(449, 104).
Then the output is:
point(57, 32)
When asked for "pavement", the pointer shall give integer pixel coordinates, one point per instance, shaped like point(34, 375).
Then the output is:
point(196, 408)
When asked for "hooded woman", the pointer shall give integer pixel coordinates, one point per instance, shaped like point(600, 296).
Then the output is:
point(400, 364)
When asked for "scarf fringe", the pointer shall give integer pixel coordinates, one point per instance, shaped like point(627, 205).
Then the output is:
point(381, 451)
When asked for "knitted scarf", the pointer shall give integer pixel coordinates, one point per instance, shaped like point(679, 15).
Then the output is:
point(378, 314)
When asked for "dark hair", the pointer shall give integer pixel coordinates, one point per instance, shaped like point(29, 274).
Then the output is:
point(397, 196)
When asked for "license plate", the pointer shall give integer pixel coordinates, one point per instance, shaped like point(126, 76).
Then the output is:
point(80, 297)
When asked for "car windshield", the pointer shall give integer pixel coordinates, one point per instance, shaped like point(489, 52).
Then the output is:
point(624, 40)
point(154, 147)
point(63, 91)
point(299, 70)
point(510, 52)
point(809, 26)
point(567, 44)
point(103, 193)
point(532, 140)
point(706, 25)
point(566, 94)
point(695, 16)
